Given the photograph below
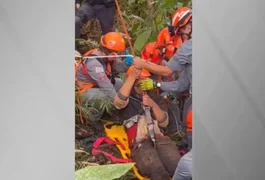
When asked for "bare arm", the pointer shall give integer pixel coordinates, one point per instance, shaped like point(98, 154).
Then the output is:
point(175, 64)
point(160, 116)
point(157, 113)
point(153, 68)
point(121, 99)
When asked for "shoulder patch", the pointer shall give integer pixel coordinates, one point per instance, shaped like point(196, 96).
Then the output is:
point(99, 70)
point(102, 76)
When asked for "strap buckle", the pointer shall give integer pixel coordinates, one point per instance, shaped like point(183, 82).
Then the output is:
point(130, 122)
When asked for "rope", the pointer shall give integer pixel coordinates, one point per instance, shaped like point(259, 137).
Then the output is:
point(124, 26)
point(80, 113)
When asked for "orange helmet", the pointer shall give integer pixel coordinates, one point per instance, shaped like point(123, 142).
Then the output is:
point(180, 18)
point(147, 51)
point(113, 41)
point(144, 73)
point(166, 45)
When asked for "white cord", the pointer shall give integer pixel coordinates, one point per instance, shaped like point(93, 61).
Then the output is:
point(92, 57)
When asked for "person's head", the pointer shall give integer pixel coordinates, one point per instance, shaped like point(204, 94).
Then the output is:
point(112, 43)
point(181, 23)
point(143, 75)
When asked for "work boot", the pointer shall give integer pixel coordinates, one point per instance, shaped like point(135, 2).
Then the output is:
point(148, 162)
point(168, 153)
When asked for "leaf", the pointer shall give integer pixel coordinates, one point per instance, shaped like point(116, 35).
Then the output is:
point(137, 18)
point(135, 27)
point(167, 4)
point(153, 38)
point(80, 151)
point(104, 172)
point(131, 2)
point(179, 4)
point(141, 40)
point(158, 18)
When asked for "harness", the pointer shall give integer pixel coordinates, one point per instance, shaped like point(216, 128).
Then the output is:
point(84, 86)
point(129, 123)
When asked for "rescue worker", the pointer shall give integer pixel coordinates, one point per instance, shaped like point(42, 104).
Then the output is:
point(157, 160)
point(168, 41)
point(184, 169)
point(147, 54)
point(171, 38)
point(94, 77)
point(180, 62)
point(103, 10)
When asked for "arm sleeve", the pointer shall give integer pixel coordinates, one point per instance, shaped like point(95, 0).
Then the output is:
point(182, 57)
point(162, 105)
point(180, 85)
point(97, 73)
point(173, 64)
point(184, 169)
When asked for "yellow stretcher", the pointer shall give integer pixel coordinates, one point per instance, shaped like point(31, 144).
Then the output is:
point(118, 134)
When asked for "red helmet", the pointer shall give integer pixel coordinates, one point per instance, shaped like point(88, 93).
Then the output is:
point(180, 18)
point(163, 38)
point(148, 50)
point(165, 45)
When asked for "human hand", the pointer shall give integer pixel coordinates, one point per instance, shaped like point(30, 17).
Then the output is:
point(136, 73)
point(77, 6)
point(147, 101)
point(138, 62)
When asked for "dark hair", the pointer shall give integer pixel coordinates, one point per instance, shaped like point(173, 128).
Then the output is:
point(105, 50)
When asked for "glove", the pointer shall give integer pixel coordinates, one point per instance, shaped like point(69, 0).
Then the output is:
point(147, 84)
point(128, 59)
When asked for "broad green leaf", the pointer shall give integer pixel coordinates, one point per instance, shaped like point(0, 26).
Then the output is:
point(134, 28)
point(104, 172)
point(152, 38)
point(141, 40)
